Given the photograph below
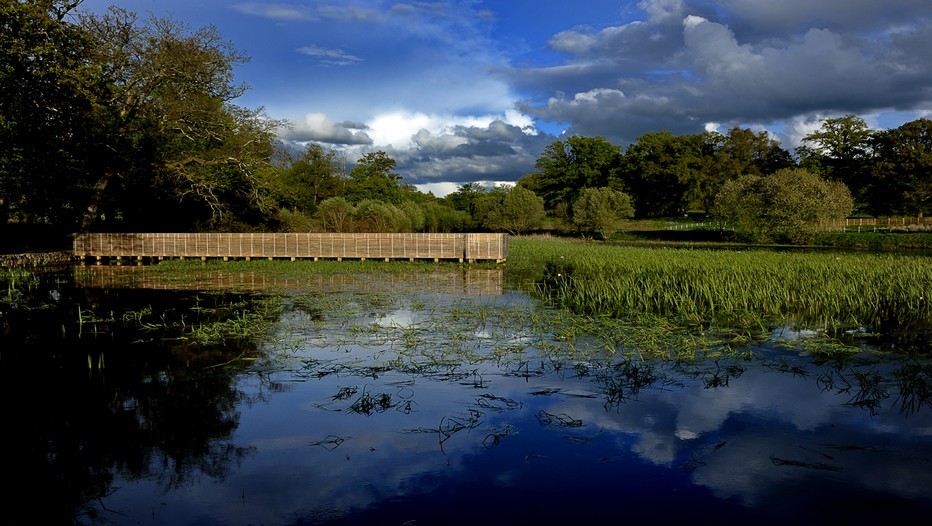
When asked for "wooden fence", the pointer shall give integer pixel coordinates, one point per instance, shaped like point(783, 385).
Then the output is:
point(840, 225)
point(886, 223)
point(460, 247)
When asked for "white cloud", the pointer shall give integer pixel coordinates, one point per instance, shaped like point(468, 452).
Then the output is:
point(275, 11)
point(660, 11)
point(332, 57)
point(406, 129)
point(438, 189)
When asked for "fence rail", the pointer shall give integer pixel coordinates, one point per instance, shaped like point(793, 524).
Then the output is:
point(461, 247)
point(889, 223)
point(885, 222)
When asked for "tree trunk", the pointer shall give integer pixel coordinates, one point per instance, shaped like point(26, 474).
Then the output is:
point(97, 197)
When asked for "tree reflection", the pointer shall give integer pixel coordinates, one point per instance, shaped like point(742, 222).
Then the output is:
point(83, 411)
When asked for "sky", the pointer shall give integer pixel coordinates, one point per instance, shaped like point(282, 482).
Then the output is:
point(461, 91)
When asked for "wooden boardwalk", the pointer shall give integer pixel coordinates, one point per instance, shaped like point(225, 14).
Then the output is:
point(385, 246)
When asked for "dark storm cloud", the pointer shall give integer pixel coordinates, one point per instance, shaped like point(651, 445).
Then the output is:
point(317, 127)
point(498, 152)
point(734, 62)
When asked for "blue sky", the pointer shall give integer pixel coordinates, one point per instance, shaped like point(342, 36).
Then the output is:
point(473, 90)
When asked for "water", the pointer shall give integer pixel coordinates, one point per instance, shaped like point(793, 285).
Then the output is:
point(362, 403)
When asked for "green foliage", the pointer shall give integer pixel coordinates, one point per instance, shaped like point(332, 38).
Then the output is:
point(335, 214)
point(514, 210)
point(789, 205)
point(168, 128)
point(601, 210)
point(111, 120)
point(901, 171)
point(311, 178)
point(414, 218)
point(295, 221)
point(465, 199)
point(658, 169)
point(564, 168)
point(376, 216)
point(46, 118)
point(440, 218)
point(727, 157)
point(374, 178)
point(839, 151)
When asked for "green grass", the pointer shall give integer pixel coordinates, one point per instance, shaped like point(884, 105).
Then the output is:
point(830, 291)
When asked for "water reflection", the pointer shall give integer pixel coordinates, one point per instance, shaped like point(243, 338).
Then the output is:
point(462, 281)
point(436, 407)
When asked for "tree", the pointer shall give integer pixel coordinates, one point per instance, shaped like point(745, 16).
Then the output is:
point(45, 111)
point(465, 196)
point(754, 153)
point(165, 125)
point(513, 210)
point(312, 178)
point(839, 151)
point(601, 210)
point(661, 171)
point(901, 170)
point(439, 217)
point(374, 178)
point(335, 214)
point(722, 158)
point(376, 216)
point(564, 168)
point(415, 219)
point(789, 205)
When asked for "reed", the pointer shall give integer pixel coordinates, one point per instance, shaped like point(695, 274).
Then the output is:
point(879, 292)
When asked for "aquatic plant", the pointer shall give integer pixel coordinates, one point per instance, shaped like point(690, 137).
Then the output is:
point(881, 292)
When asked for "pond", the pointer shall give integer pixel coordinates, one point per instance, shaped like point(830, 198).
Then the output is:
point(451, 397)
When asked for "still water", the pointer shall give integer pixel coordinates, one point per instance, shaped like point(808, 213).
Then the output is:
point(440, 399)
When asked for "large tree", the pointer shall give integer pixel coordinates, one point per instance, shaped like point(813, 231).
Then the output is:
point(723, 157)
point(45, 111)
point(316, 175)
point(901, 170)
point(335, 214)
point(167, 127)
point(839, 151)
point(566, 167)
point(374, 177)
point(662, 171)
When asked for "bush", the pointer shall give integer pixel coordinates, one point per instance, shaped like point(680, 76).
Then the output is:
point(790, 205)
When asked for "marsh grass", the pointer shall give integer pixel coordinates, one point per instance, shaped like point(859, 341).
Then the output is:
point(746, 289)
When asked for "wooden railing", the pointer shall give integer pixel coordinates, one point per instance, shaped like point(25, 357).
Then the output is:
point(387, 246)
point(886, 222)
